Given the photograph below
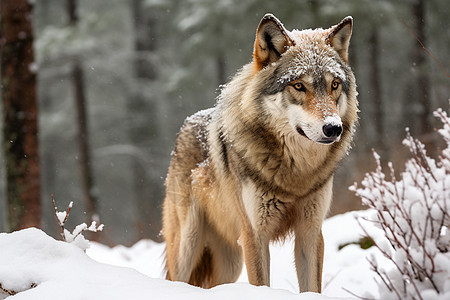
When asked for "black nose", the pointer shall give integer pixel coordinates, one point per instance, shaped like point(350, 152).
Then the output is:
point(332, 131)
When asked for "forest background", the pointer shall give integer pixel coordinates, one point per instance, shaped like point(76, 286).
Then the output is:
point(142, 66)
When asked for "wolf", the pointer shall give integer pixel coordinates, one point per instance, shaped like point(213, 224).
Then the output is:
point(259, 165)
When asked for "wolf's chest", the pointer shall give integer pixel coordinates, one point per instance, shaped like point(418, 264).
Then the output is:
point(277, 214)
point(266, 210)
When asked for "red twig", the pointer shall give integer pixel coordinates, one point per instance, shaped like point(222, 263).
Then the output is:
point(424, 47)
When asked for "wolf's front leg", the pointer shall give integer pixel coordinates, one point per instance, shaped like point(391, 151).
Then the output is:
point(254, 242)
point(256, 256)
point(309, 245)
point(309, 248)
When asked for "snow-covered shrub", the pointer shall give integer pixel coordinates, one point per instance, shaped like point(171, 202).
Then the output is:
point(76, 236)
point(414, 213)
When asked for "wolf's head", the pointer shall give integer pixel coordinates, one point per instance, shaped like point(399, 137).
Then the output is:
point(304, 78)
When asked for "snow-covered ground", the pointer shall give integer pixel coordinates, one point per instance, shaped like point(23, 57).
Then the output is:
point(37, 266)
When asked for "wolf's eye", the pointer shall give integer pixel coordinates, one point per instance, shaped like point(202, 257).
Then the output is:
point(335, 84)
point(299, 87)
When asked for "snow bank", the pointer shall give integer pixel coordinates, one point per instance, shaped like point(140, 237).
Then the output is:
point(38, 267)
point(344, 270)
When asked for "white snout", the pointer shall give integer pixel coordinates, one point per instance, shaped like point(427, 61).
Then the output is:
point(326, 131)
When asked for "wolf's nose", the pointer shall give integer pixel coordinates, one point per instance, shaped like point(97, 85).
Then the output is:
point(332, 131)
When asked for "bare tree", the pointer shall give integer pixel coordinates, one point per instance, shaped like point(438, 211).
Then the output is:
point(421, 76)
point(145, 135)
point(375, 84)
point(20, 115)
point(84, 161)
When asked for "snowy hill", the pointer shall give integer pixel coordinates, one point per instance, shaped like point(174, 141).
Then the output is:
point(36, 266)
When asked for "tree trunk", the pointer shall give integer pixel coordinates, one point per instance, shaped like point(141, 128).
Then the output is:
point(20, 115)
point(375, 87)
point(144, 135)
point(84, 161)
point(423, 85)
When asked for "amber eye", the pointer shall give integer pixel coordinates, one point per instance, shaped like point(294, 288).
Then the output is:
point(299, 87)
point(335, 84)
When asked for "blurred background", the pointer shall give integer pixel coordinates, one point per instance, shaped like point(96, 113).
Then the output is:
point(138, 68)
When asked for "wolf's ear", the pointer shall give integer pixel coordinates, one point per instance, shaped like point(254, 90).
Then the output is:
point(339, 37)
point(271, 41)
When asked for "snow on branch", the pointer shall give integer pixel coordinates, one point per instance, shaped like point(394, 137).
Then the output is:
point(76, 236)
point(414, 213)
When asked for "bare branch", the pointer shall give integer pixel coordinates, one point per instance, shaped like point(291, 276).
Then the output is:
point(357, 296)
point(9, 292)
point(413, 212)
point(448, 75)
point(61, 223)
